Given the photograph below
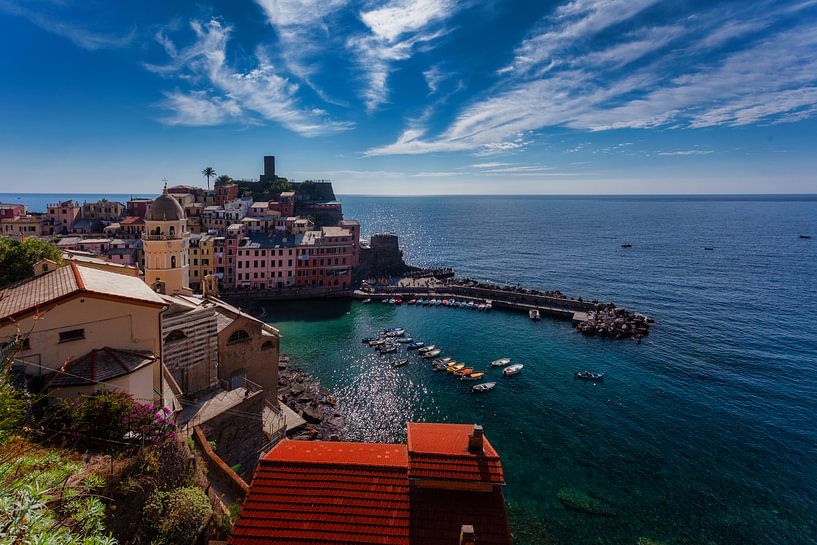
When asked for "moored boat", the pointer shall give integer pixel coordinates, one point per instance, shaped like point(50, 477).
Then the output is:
point(376, 342)
point(432, 353)
point(367, 301)
point(385, 301)
point(805, 236)
point(513, 369)
point(440, 367)
point(533, 314)
point(501, 362)
point(404, 340)
point(367, 340)
point(399, 363)
point(415, 345)
point(388, 349)
point(392, 301)
point(626, 245)
point(424, 349)
point(484, 387)
point(455, 367)
point(464, 371)
point(588, 375)
point(473, 376)
point(412, 301)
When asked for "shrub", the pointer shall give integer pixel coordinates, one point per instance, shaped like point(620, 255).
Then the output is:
point(114, 417)
point(174, 517)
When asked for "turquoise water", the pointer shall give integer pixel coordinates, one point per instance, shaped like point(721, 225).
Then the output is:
point(705, 433)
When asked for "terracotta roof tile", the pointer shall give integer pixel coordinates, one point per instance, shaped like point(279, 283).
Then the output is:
point(355, 493)
point(29, 294)
point(101, 365)
point(440, 452)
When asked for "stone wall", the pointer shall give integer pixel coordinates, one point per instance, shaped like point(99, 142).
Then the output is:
point(238, 434)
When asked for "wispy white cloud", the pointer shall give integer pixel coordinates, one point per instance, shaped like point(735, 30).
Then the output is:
point(434, 76)
point(196, 109)
point(685, 152)
point(489, 165)
point(670, 83)
point(258, 92)
point(79, 35)
point(303, 34)
point(396, 29)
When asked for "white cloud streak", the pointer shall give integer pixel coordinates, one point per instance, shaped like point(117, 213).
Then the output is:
point(260, 92)
point(667, 82)
point(396, 29)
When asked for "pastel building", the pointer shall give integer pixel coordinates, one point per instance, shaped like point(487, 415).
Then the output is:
point(103, 211)
point(63, 215)
point(201, 258)
point(10, 211)
point(165, 243)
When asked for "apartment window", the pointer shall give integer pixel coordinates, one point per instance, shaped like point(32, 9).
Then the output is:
point(72, 335)
point(238, 336)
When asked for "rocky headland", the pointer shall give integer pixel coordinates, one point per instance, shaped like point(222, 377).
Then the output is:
point(314, 403)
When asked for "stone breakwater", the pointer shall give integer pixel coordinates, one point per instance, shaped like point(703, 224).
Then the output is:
point(315, 404)
point(608, 320)
point(589, 317)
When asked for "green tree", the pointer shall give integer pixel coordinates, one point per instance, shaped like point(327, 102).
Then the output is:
point(223, 180)
point(207, 172)
point(17, 258)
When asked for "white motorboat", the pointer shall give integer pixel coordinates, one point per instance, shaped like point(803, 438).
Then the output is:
point(432, 354)
point(533, 314)
point(392, 301)
point(501, 362)
point(513, 369)
point(489, 304)
point(367, 301)
point(484, 387)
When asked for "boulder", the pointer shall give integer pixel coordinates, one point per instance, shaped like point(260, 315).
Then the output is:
point(311, 414)
point(581, 502)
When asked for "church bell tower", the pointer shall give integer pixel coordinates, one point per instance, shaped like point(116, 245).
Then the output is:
point(165, 242)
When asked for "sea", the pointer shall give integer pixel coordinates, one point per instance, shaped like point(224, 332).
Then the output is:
point(703, 434)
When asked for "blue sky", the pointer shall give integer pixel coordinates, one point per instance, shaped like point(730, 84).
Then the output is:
point(412, 97)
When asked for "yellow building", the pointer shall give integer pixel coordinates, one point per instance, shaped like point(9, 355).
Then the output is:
point(201, 257)
point(87, 329)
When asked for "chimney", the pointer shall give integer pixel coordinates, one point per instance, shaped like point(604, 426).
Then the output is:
point(475, 440)
point(467, 536)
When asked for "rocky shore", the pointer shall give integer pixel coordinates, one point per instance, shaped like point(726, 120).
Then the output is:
point(304, 395)
point(608, 320)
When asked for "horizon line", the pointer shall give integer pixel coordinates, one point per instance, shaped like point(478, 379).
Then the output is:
point(814, 194)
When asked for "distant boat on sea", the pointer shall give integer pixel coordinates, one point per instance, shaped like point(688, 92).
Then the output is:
point(626, 245)
point(805, 236)
point(709, 247)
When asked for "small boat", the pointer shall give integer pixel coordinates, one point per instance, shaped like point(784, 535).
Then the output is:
point(805, 236)
point(404, 340)
point(399, 363)
point(445, 302)
point(392, 301)
point(376, 342)
point(455, 367)
point(484, 387)
point(709, 248)
point(437, 302)
point(367, 301)
point(384, 301)
point(388, 349)
point(424, 349)
point(399, 332)
point(501, 362)
point(513, 369)
point(489, 304)
point(432, 354)
point(440, 367)
point(470, 304)
point(481, 306)
point(367, 340)
point(533, 314)
point(474, 376)
point(415, 345)
point(587, 375)
point(412, 301)
point(446, 359)
point(464, 371)
point(626, 245)
point(398, 301)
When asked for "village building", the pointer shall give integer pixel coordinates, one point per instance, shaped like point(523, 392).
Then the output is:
point(443, 488)
point(86, 329)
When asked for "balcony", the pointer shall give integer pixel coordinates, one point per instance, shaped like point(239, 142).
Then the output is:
point(146, 236)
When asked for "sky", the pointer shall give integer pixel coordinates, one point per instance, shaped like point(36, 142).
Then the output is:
point(409, 97)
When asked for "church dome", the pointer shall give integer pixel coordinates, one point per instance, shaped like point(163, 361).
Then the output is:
point(165, 208)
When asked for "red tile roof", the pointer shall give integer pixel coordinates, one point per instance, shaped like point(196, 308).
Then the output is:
point(440, 452)
point(317, 492)
point(29, 295)
point(100, 365)
point(357, 493)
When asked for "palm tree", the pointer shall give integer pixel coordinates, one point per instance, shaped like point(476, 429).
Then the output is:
point(208, 171)
point(223, 180)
